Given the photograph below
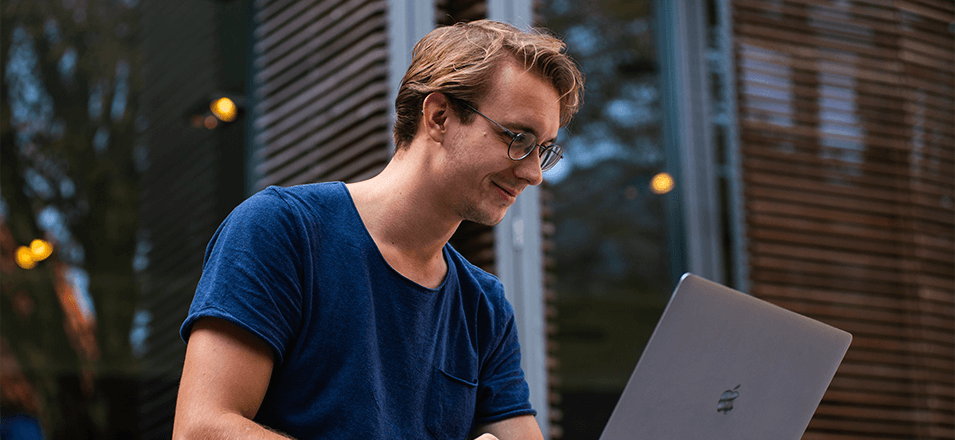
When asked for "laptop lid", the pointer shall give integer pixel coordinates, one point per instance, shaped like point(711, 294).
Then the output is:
point(725, 365)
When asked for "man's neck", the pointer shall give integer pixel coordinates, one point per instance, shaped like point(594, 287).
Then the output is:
point(408, 227)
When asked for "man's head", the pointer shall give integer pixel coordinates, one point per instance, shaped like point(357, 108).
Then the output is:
point(461, 61)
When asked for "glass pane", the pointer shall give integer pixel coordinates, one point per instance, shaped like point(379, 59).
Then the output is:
point(611, 258)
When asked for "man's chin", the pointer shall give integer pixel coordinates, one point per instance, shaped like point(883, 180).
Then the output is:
point(486, 218)
point(488, 221)
point(496, 222)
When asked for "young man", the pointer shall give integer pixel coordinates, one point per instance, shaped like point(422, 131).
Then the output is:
point(340, 311)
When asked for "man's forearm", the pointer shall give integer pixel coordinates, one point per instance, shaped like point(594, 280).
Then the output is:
point(225, 427)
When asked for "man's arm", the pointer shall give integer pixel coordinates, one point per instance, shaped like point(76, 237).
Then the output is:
point(224, 379)
point(515, 428)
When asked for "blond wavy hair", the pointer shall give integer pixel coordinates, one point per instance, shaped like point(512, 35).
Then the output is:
point(461, 60)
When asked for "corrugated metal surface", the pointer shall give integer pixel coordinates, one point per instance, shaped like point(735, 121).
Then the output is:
point(321, 91)
point(193, 179)
point(846, 124)
point(178, 206)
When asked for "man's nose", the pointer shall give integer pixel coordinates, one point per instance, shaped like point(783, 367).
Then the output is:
point(529, 169)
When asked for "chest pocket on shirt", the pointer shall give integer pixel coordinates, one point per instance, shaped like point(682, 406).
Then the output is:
point(451, 406)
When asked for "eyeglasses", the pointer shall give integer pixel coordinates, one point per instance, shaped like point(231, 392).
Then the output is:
point(523, 144)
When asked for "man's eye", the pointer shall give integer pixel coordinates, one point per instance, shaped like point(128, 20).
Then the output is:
point(524, 139)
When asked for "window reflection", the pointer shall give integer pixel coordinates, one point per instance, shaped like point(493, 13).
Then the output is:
point(611, 263)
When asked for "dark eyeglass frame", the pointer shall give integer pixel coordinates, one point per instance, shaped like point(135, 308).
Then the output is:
point(549, 154)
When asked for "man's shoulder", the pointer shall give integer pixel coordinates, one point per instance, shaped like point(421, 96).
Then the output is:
point(480, 276)
point(310, 194)
point(289, 209)
point(476, 279)
point(294, 201)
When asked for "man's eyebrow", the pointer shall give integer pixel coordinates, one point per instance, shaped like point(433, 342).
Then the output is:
point(528, 129)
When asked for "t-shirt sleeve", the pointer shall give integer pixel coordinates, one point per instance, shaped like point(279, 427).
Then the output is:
point(252, 274)
point(502, 390)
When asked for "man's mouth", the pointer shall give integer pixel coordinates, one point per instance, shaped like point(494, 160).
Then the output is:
point(509, 193)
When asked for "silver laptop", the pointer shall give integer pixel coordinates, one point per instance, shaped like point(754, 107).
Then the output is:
point(725, 365)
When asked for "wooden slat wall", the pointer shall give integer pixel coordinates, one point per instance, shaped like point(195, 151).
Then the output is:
point(321, 90)
point(846, 130)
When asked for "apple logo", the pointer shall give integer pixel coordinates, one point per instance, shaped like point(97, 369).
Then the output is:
point(726, 400)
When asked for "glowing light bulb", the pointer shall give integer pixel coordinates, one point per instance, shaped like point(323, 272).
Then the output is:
point(662, 183)
point(224, 109)
point(41, 249)
point(24, 257)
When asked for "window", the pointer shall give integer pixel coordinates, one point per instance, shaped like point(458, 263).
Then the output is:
point(612, 270)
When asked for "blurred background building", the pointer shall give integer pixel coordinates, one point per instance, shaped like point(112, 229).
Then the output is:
point(799, 150)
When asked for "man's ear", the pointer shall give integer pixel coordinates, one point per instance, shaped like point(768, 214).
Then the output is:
point(435, 110)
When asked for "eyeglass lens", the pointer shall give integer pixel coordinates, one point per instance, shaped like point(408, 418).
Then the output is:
point(523, 144)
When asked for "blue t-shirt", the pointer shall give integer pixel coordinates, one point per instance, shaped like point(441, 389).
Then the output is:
point(360, 350)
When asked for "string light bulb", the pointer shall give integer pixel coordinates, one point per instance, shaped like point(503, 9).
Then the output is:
point(24, 257)
point(28, 256)
point(662, 183)
point(41, 249)
point(224, 109)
